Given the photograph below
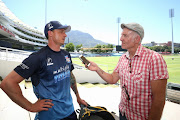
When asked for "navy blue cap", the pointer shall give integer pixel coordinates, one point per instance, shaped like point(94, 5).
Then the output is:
point(52, 25)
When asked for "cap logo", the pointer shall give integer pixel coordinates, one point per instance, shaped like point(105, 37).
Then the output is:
point(50, 26)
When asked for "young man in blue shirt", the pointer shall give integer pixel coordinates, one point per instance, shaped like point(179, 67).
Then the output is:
point(51, 74)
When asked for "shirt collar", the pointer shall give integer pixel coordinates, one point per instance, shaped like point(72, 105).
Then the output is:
point(137, 53)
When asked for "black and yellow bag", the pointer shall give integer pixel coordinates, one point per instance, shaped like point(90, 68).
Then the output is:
point(94, 113)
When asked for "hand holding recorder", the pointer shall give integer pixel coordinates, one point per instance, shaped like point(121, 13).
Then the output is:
point(89, 64)
point(84, 60)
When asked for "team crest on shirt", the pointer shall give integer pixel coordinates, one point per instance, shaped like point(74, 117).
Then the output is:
point(49, 61)
point(67, 59)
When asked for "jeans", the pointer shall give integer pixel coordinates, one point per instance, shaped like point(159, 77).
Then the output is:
point(73, 116)
point(122, 117)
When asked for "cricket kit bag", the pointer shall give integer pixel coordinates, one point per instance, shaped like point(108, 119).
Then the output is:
point(95, 113)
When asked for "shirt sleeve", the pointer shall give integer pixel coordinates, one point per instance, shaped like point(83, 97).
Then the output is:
point(117, 66)
point(72, 66)
point(28, 66)
point(158, 68)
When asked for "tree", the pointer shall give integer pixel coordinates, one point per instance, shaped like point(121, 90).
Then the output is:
point(70, 47)
point(98, 50)
point(157, 48)
point(78, 47)
point(98, 46)
point(109, 46)
point(176, 50)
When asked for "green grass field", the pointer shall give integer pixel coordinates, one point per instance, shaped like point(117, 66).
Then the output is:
point(108, 64)
point(173, 66)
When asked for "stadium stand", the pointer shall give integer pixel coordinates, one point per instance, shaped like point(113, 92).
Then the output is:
point(16, 34)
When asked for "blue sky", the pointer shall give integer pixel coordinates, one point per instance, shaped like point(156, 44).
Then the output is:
point(99, 17)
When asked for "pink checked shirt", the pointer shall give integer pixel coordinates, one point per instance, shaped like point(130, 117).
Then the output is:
point(146, 65)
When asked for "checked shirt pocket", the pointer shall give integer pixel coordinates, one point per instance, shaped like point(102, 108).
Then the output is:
point(140, 83)
point(138, 77)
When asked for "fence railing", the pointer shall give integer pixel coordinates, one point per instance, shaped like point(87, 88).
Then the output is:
point(10, 54)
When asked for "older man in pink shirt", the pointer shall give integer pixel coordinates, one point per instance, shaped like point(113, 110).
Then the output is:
point(143, 77)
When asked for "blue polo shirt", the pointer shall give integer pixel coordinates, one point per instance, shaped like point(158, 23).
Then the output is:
point(50, 75)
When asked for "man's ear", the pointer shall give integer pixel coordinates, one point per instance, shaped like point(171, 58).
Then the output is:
point(138, 39)
point(49, 33)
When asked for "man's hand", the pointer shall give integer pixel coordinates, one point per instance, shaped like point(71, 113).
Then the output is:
point(81, 101)
point(93, 66)
point(41, 105)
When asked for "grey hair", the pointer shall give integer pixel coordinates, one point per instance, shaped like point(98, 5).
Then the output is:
point(135, 34)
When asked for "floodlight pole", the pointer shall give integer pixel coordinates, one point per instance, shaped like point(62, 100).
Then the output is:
point(45, 11)
point(118, 21)
point(171, 13)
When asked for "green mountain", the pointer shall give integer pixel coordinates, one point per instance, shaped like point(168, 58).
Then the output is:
point(77, 37)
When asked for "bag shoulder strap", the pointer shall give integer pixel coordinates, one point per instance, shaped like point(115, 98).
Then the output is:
point(102, 112)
